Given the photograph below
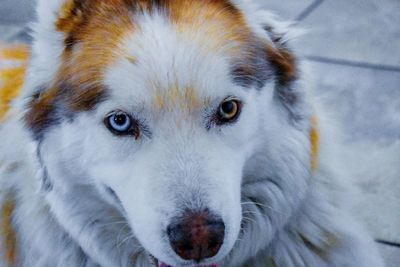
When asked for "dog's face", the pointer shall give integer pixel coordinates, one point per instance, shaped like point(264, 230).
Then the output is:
point(187, 141)
point(164, 109)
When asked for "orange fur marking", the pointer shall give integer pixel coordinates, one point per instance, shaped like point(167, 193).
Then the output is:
point(11, 78)
point(69, 16)
point(314, 138)
point(185, 98)
point(285, 62)
point(8, 232)
point(219, 21)
point(93, 31)
point(99, 42)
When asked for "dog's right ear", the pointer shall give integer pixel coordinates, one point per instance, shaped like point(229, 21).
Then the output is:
point(60, 17)
point(56, 21)
point(54, 11)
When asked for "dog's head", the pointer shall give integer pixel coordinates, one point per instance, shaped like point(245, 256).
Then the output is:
point(185, 115)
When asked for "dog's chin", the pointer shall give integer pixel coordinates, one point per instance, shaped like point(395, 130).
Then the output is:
point(158, 263)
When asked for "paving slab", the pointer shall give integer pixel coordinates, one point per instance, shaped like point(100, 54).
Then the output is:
point(374, 168)
point(24, 36)
point(366, 102)
point(391, 255)
point(289, 9)
point(356, 30)
point(16, 11)
point(7, 33)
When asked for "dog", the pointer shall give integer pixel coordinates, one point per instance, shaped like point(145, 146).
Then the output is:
point(168, 133)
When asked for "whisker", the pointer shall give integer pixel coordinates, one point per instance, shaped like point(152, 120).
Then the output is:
point(121, 232)
point(125, 240)
point(249, 219)
point(114, 223)
point(263, 205)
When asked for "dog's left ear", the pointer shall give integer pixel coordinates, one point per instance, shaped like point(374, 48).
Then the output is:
point(275, 36)
point(273, 57)
point(280, 55)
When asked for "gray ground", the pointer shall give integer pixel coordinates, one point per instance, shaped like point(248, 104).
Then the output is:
point(353, 51)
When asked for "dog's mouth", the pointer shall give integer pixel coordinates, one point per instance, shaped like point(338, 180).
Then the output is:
point(158, 263)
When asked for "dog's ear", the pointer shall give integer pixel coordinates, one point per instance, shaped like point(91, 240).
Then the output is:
point(283, 62)
point(281, 57)
point(55, 21)
point(53, 32)
point(71, 14)
point(60, 17)
point(56, 13)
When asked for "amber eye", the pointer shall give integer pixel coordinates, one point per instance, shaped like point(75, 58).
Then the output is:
point(229, 110)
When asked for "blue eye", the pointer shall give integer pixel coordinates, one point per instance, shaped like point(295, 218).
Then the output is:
point(120, 123)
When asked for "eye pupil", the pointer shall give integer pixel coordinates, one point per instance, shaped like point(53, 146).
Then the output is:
point(120, 119)
point(119, 123)
point(228, 107)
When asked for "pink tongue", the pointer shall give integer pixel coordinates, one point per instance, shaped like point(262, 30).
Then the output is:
point(165, 265)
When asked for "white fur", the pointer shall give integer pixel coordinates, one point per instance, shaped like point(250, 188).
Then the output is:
point(262, 157)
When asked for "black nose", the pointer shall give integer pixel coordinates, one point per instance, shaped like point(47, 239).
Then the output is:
point(196, 236)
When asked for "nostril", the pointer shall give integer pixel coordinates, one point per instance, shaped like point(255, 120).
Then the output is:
point(213, 245)
point(196, 236)
point(182, 250)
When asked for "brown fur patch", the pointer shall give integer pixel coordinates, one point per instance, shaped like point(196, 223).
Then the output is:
point(284, 63)
point(283, 60)
point(219, 20)
point(40, 110)
point(93, 31)
point(97, 33)
point(8, 232)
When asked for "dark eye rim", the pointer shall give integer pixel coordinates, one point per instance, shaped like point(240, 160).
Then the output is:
point(133, 130)
point(220, 120)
